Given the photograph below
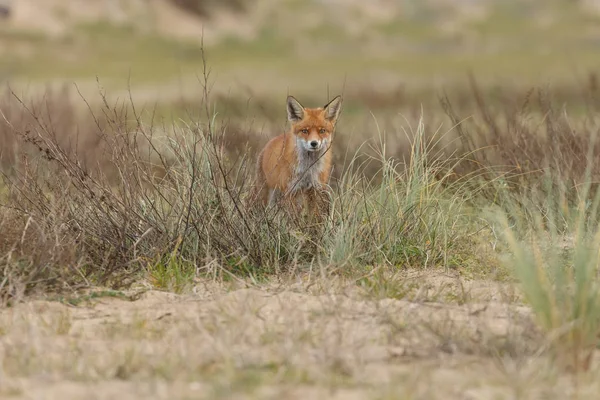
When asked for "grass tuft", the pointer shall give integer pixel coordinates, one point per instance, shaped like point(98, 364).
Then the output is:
point(555, 256)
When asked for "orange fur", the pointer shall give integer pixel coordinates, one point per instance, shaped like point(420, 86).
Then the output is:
point(299, 161)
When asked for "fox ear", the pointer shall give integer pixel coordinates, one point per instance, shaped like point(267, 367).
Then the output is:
point(295, 111)
point(333, 109)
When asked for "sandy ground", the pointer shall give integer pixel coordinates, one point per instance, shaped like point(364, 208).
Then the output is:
point(295, 342)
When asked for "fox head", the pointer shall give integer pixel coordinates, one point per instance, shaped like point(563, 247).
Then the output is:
point(313, 126)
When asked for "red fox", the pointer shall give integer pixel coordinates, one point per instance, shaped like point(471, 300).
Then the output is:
point(298, 162)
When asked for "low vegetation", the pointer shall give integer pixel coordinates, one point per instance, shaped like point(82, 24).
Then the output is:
point(459, 259)
point(106, 198)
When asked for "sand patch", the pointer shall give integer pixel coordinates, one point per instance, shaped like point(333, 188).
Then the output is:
point(264, 343)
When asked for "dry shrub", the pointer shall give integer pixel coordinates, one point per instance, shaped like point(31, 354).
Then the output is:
point(77, 131)
point(59, 190)
point(519, 138)
point(136, 194)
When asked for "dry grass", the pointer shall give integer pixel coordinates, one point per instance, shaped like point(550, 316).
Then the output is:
point(112, 196)
point(525, 134)
point(313, 339)
point(125, 195)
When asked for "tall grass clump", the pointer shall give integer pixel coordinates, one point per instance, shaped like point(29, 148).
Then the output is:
point(539, 161)
point(405, 215)
point(555, 249)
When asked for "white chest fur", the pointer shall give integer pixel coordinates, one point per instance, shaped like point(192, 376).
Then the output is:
point(309, 167)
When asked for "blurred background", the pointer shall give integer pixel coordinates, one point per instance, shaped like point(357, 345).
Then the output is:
point(272, 46)
point(386, 56)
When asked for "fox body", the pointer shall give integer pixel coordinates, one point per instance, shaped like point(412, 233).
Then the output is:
point(298, 162)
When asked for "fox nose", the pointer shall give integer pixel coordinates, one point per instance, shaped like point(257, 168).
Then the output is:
point(314, 144)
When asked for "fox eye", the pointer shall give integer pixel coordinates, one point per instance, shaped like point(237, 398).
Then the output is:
point(322, 131)
point(305, 131)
